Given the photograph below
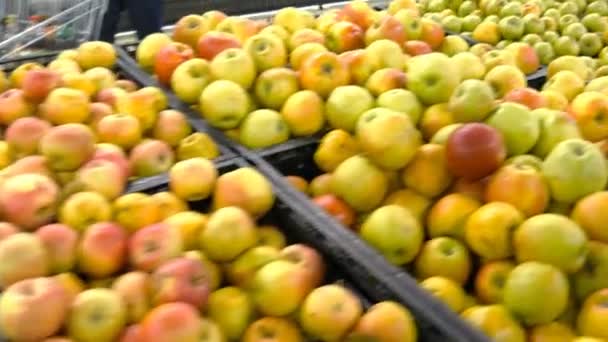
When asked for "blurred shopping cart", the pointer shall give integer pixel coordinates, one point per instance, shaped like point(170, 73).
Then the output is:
point(35, 27)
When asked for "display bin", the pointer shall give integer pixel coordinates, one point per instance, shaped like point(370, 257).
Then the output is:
point(127, 72)
point(351, 262)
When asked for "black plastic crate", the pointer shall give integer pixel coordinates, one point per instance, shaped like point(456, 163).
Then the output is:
point(128, 72)
point(351, 262)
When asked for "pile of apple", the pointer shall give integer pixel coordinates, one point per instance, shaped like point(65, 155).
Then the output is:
point(151, 268)
point(264, 82)
point(554, 28)
point(76, 121)
point(501, 194)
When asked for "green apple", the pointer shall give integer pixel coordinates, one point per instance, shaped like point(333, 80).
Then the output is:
point(493, 7)
point(469, 65)
point(388, 138)
point(97, 315)
point(466, 8)
point(267, 50)
point(593, 275)
point(590, 62)
point(229, 232)
point(566, 46)
point(531, 39)
point(575, 30)
point(411, 24)
point(511, 8)
point(573, 169)
point(503, 44)
point(432, 77)
point(597, 84)
point(403, 101)
point(526, 160)
point(555, 127)
point(234, 65)
point(452, 23)
point(519, 127)
point(599, 6)
point(470, 22)
point(190, 78)
point(566, 21)
point(232, 310)
point(345, 105)
point(568, 7)
point(511, 27)
point(442, 135)
point(550, 36)
point(240, 272)
point(453, 45)
point(481, 49)
point(394, 232)
point(472, 101)
point(545, 52)
point(278, 288)
point(533, 24)
point(602, 58)
point(572, 63)
point(224, 104)
point(492, 19)
point(436, 6)
point(539, 237)
point(536, 293)
point(601, 72)
point(590, 44)
point(360, 183)
point(263, 128)
point(594, 22)
point(552, 13)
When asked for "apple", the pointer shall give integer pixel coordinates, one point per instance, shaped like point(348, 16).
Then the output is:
point(7, 229)
point(23, 257)
point(505, 78)
point(285, 36)
point(443, 256)
point(192, 179)
point(487, 32)
point(97, 315)
point(385, 53)
point(115, 155)
point(17, 75)
point(171, 127)
point(152, 245)
point(520, 134)
point(304, 113)
point(277, 288)
point(359, 63)
point(217, 239)
point(591, 277)
point(412, 25)
point(213, 42)
point(136, 210)
point(416, 47)
point(64, 66)
point(597, 7)
point(224, 104)
point(472, 100)
point(280, 329)
point(28, 200)
point(368, 176)
point(168, 204)
point(144, 104)
point(190, 78)
point(386, 28)
point(99, 110)
point(267, 51)
point(233, 64)
point(469, 65)
point(189, 29)
point(101, 77)
point(494, 321)
point(68, 146)
point(566, 46)
point(531, 98)
point(470, 22)
point(511, 27)
point(37, 84)
point(310, 262)
point(302, 52)
point(525, 57)
point(263, 128)
point(567, 83)
point(213, 18)
point(533, 24)
point(231, 308)
point(407, 237)
point(556, 126)
point(432, 78)
point(594, 23)
point(14, 105)
point(65, 105)
point(121, 130)
point(79, 81)
point(255, 191)
point(323, 72)
point(427, 173)
point(531, 39)
point(453, 45)
point(590, 44)
point(592, 315)
point(81, 209)
point(274, 86)
point(384, 80)
point(452, 23)
point(545, 52)
point(151, 157)
point(134, 288)
point(95, 54)
point(41, 300)
point(242, 270)
point(24, 134)
point(172, 322)
point(197, 144)
point(574, 30)
point(561, 169)
point(29, 164)
point(60, 242)
point(102, 249)
point(401, 100)
point(110, 96)
point(180, 280)
point(475, 150)
point(169, 58)
point(241, 28)
point(357, 12)
point(586, 107)
point(329, 312)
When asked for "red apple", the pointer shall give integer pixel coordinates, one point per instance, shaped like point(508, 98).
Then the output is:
point(24, 134)
point(33, 309)
point(14, 105)
point(386, 28)
point(357, 12)
point(417, 47)
point(181, 280)
point(172, 322)
point(152, 245)
point(38, 83)
point(310, 262)
point(474, 151)
point(432, 33)
point(60, 242)
point(102, 250)
point(29, 200)
point(344, 36)
point(169, 58)
point(214, 42)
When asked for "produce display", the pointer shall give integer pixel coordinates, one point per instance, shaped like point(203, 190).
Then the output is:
point(263, 82)
point(554, 28)
point(447, 157)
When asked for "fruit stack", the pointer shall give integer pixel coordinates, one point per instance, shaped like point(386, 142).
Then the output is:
point(497, 211)
point(263, 83)
point(554, 28)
